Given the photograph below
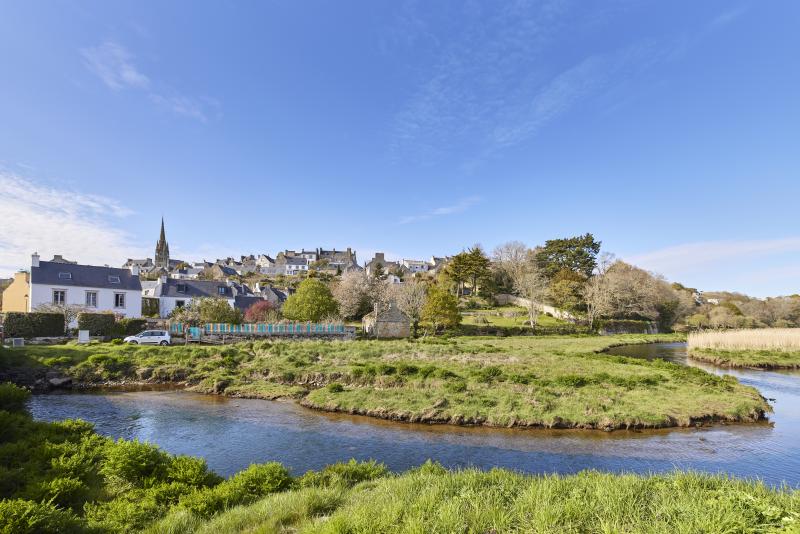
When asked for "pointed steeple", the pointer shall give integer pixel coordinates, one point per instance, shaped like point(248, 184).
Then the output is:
point(162, 249)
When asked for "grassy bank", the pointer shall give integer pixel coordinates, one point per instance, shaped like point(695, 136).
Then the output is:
point(431, 499)
point(556, 382)
point(766, 348)
point(63, 477)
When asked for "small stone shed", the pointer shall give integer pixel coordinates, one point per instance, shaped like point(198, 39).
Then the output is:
point(390, 323)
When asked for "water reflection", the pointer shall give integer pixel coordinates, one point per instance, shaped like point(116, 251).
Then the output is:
point(232, 433)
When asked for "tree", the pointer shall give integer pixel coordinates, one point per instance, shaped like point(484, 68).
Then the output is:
point(440, 310)
point(70, 311)
point(411, 298)
point(519, 267)
point(457, 271)
point(597, 291)
point(577, 254)
point(476, 266)
point(531, 284)
point(352, 294)
point(503, 256)
point(566, 290)
point(312, 301)
point(207, 310)
point(379, 294)
point(378, 271)
point(262, 311)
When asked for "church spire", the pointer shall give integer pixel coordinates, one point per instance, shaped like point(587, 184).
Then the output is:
point(162, 249)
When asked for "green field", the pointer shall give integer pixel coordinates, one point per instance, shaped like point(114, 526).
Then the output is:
point(554, 382)
point(761, 359)
point(507, 317)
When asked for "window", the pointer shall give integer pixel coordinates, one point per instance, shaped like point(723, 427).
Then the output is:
point(113, 279)
point(221, 290)
point(59, 297)
point(65, 276)
point(180, 303)
point(91, 299)
point(119, 300)
point(181, 288)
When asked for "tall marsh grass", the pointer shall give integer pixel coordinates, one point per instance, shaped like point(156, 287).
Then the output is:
point(774, 339)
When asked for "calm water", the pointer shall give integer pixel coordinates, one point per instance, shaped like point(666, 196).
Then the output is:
point(232, 433)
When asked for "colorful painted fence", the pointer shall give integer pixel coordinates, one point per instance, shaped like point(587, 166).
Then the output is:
point(260, 329)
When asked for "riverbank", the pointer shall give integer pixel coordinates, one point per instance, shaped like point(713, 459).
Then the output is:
point(753, 359)
point(764, 348)
point(431, 499)
point(549, 382)
point(64, 477)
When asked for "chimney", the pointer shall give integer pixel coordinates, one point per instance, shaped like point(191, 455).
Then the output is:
point(162, 279)
point(35, 259)
point(135, 269)
point(379, 256)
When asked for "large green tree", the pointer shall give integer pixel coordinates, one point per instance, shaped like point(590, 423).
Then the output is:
point(577, 254)
point(440, 310)
point(312, 301)
point(477, 268)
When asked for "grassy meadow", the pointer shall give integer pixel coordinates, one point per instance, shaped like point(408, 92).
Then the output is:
point(769, 348)
point(554, 382)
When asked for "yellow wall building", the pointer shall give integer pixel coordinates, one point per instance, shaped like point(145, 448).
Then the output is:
point(15, 296)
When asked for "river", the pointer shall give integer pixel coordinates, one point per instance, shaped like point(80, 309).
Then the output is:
point(233, 433)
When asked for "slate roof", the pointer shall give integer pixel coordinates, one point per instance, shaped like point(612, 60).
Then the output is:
point(194, 289)
point(242, 302)
point(47, 273)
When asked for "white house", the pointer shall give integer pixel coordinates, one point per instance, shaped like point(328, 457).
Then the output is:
point(173, 293)
point(415, 266)
point(99, 289)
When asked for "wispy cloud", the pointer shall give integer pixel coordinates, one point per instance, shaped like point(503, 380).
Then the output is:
point(690, 256)
point(49, 220)
point(114, 65)
point(756, 266)
point(462, 205)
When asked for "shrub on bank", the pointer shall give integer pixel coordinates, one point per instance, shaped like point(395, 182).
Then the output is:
point(33, 324)
point(98, 324)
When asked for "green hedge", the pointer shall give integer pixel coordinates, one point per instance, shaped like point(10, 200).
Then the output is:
point(128, 326)
point(627, 326)
point(98, 324)
point(34, 324)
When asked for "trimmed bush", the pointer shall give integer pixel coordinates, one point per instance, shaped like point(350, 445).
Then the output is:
point(98, 324)
point(34, 324)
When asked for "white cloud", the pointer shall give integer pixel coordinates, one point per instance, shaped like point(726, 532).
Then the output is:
point(38, 218)
point(758, 267)
point(114, 65)
point(460, 206)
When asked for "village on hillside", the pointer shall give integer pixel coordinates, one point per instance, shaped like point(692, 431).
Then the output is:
point(566, 286)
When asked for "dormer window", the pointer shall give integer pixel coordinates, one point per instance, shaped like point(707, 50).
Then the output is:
point(65, 276)
point(181, 288)
point(113, 279)
point(221, 290)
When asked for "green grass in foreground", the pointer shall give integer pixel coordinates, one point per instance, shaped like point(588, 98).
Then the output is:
point(513, 381)
point(432, 500)
point(763, 359)
point(64, 478)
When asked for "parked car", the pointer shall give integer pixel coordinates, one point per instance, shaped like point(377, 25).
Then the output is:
point(150, 337)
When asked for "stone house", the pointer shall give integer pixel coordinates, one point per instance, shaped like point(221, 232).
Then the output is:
point(390, 323)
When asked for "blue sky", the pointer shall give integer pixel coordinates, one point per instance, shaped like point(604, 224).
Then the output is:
point(667, 129)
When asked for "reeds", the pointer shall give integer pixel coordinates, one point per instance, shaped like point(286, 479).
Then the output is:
point(773, 339)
